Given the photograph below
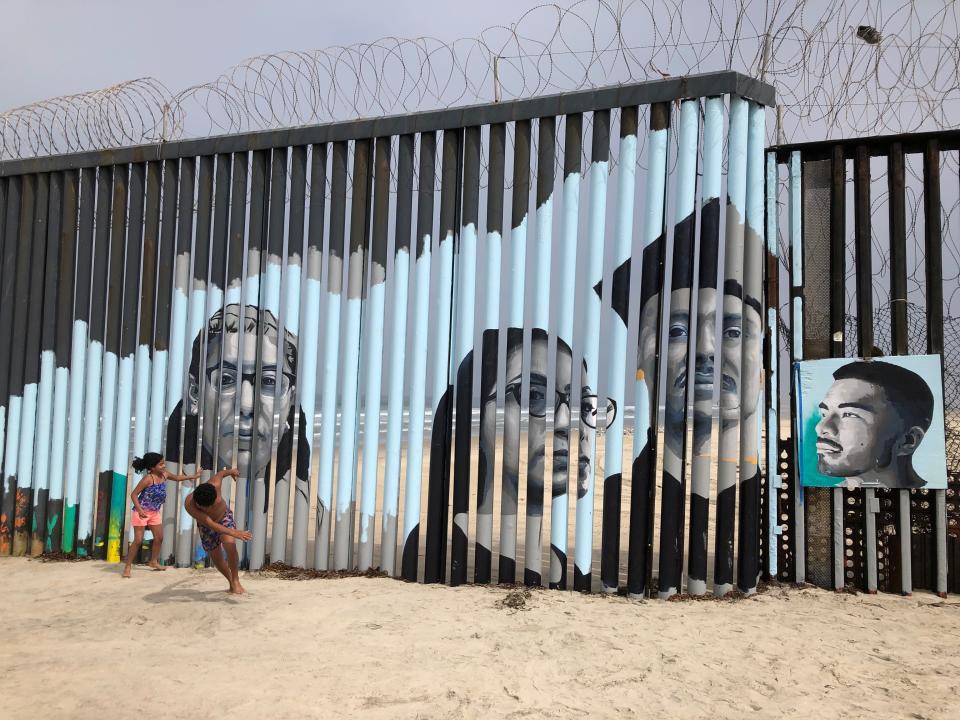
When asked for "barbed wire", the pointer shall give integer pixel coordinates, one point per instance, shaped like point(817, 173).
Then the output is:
point(840, 68)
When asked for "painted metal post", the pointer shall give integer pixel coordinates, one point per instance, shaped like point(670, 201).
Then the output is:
point(309, 351)
point(65, 262)
point(80, 323)
point(646, 387)
point(95, 347)
point(350, 408)
point(11, 189)
point(730, 363)
point(438, 488)
point(864, 275)
point(514, 367)
point(226, 433)
point(751, 368)
point(933, 270)
point(15, 499)
point(463, 356)
point(264, 391)
point(409, 558)
point(704, 349)
point(772, 365)
point(678, 335)
point(373, 340)
point(44, 523)
point(128, 344)
point(331, 351)
point(143, 358)
point(169, 301)
point(589, 410)
point(798, 531)
point(111, 359)
point(189, 383)
point(538, 394)
point(487, 456)
point(566, 387)
point(291, 323)
point(617, 338)
point(31, 369)
point(397, 355)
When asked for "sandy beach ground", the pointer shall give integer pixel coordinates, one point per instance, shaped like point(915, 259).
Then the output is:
point(79, 642)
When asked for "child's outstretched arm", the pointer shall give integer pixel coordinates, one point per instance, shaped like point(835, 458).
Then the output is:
point(135, 497)
point(226, 472)
point(204, 519)
point(181, 478)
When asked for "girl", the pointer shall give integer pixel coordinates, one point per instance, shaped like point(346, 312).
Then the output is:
point(148, 497)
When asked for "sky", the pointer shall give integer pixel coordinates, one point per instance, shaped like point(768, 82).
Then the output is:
point(67, 47)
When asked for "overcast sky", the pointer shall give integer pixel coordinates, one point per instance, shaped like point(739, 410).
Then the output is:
point(67, 47)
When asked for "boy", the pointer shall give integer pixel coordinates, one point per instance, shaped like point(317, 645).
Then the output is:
point(217, 527)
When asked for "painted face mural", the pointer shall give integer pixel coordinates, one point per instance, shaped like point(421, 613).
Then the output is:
point(867, 423)
point(227, 392)
point(538, 408)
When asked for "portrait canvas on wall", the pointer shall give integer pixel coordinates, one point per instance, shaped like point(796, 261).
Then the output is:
point(871, 423)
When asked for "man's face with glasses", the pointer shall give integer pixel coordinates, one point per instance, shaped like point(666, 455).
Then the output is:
point(231, 380)
point(539, 397)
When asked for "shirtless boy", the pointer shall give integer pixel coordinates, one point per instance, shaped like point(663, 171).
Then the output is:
point(218, 531)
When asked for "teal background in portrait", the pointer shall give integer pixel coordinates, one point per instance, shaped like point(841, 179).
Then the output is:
point(813, 378)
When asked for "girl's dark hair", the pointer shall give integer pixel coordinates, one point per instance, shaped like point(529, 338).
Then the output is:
point(147, 462)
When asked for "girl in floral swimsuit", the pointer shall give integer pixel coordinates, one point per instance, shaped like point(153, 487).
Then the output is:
point(148, 498)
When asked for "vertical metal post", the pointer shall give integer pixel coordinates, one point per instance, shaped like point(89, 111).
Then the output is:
point(288, 399)
point(864, 269)
point(704, 350)
point(80, 320)
point(731, 394)
point(487, 456)
point(169, 303)
point(373, 350)
point(309, 351)
point(350, 413)
point(11, 232)
point(47, 489)
point(751, 367)
point(64, 260)
point(589, 410)
point(617, 329)
point(837, 322)
point(933, 246)
point(678, 336)
point(466, 278)
point(509, 502)
point(538, 393)
point(128, 344)
point(397, 355)
point(95, 361)
point(798, 531)
point(409, 559)
point(111, 360)
point(22, 539)
point(565, 457)
point(438, 490)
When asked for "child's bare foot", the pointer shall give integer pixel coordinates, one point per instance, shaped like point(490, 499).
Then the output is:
point(157, 566)
point(126, 571)
point(236, 588)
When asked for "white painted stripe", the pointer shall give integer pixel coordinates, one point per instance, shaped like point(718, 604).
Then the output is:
point(71, 441)
point(91, 416)
point(58, 427)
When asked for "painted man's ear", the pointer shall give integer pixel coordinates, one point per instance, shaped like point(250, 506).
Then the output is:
point(910, 441)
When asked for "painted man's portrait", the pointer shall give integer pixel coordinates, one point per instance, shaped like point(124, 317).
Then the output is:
point(874, 423)
point(223, 384)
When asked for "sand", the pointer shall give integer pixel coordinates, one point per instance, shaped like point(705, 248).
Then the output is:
point(79, 642)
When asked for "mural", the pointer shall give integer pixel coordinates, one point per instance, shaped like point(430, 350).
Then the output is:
point(871, 423)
